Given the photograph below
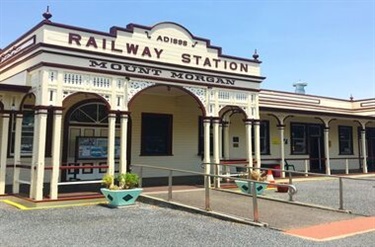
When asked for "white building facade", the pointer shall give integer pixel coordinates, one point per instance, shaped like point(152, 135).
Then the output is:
point(100, 102)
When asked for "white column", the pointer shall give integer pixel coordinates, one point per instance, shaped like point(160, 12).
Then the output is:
point(41, 142)
point(17, 153)
point(123, 145)
point(34, 157)
point(56, 157)
point(326, 150)
point(3, 151)
point(226, 140)
point(249, 146)
point(216, 154)
point(221, 141)
point(206, 126)
point(111, 143)
point(282, 150)
point(257, 142)
point(364, 150)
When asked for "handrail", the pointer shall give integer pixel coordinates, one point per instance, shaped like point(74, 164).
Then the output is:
point(291, 187)
point(340, 178)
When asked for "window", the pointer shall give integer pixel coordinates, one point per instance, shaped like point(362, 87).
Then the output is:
point(264, 137)
point(345, 140)
point(27, 133)
point(93, 112)
point(156, 136)
point(298, 138)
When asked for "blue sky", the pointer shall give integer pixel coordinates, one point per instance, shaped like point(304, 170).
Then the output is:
point(330, 44)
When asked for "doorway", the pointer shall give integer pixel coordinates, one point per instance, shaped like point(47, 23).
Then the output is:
point(316, 148)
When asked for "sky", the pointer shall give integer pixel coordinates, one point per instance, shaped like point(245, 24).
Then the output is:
point(329, 44)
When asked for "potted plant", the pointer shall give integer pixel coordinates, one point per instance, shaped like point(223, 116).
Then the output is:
point(121, 190)
point(254, 175)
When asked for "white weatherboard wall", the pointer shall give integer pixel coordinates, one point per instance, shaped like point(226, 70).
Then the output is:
point(186, 114)
point(237, 150)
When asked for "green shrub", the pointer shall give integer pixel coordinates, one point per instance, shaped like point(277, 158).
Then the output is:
point(122, 181)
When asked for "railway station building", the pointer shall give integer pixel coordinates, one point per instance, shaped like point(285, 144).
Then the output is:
point(99, 102)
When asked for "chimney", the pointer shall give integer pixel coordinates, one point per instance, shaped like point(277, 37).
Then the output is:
point(300, 87)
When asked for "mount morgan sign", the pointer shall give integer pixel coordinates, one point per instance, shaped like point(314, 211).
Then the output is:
point(133, 69)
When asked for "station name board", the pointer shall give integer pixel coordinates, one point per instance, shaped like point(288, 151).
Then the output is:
point(139, 70)
point(155, 53)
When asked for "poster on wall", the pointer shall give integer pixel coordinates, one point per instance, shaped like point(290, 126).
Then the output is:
point(95, 147)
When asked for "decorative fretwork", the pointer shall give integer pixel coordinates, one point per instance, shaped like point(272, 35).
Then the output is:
point(73, 79)
point(136, 86)
point(246, 101)
point(67, 93)
point(224, 95)
point(199, 92)
point(241, 97)
point(101, 82)
point(105, 96)
point(120, 84)
point(52, 76)
point(232, 97)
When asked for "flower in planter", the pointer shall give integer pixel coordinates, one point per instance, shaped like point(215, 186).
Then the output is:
point(258, 176)
point(121, 182)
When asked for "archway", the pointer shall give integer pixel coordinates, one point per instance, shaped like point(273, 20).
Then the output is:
point(166, 129)
point(84, 135)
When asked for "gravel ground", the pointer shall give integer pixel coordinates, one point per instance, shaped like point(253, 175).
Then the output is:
point(358, 196)
point(147, 225)
point(140, 225)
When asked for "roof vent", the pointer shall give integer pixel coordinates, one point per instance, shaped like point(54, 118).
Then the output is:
point(300, 87)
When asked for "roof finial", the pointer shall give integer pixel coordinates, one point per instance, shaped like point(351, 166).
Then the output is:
point(47, 15)
point(351, 97)
point(255, 55)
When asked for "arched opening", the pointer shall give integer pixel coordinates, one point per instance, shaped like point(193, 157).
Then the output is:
point(234, 143)
point(166, 130)
point(85, 135)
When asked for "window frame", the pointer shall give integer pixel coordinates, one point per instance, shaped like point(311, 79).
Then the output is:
point(349, 140)
point(168, 138)
point(303, 139)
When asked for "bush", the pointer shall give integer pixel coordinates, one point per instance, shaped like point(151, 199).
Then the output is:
point(122, 181)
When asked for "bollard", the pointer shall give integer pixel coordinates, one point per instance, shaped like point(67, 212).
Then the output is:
point(207, 192)
point(140, 176)
point(341, 194)
point(255, 203)
point(291, 183)
point(170, 185)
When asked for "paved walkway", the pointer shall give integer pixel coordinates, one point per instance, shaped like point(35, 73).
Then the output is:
point(303, 221)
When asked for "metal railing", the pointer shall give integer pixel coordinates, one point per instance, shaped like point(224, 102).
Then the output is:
point(207, 185)
point(290, 177)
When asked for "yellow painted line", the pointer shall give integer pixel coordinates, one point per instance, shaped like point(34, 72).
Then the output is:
point(17, 205)
point(22, 207)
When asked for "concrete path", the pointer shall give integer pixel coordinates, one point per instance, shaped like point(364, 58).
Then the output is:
point(303, 221)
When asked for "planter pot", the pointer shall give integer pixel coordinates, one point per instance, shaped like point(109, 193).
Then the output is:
point(244, 187)
point(282, 189)
point(117, 198)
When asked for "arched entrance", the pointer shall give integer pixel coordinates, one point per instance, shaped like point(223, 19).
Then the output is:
point(85, 136)
point(165, 130)
point(234, 132)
